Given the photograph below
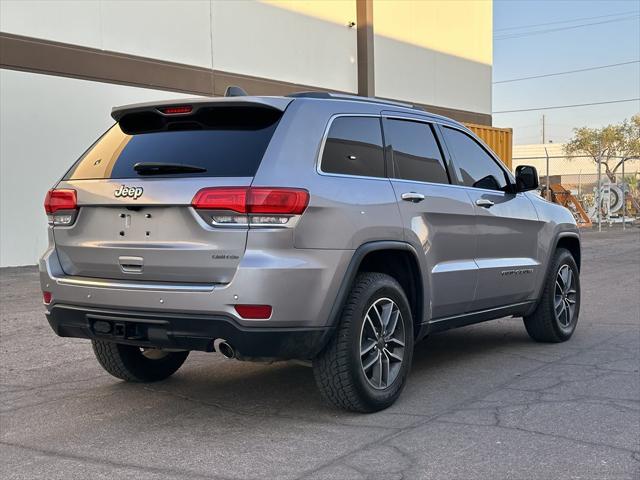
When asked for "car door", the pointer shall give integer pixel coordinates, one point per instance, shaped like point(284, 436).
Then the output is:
point(439, 219)
point(507, 224)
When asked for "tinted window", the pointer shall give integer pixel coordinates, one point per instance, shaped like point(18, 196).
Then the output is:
point(226, 142)
point(354, 147)
point(416, 154)
point(477, 168)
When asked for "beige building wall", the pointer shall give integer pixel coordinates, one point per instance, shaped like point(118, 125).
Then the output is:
point(435, 52)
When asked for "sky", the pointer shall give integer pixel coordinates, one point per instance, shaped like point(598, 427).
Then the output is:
point(516, 55)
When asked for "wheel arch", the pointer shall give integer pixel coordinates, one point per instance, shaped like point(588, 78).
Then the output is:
point(397, 259)
point(568, 240)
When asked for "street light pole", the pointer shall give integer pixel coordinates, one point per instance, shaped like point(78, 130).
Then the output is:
point(599, 190)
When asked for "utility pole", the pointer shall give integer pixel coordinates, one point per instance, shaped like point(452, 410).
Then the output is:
point(544, 133)
point(364, 40)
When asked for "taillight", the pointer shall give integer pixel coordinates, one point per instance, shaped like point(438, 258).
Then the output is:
point(259, 206)
point(256, 312)
point(62, 199)
point(291, 201)
point(61, 206)
point(234, 199)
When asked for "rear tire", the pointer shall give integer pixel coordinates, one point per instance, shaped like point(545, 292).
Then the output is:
point(365, 365)
point(555, 318)
point(133, 364)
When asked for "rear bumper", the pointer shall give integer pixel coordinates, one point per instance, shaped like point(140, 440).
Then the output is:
point(186, 332)
point(300, 285)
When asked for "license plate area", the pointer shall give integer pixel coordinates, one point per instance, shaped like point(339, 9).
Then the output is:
point(137, 225)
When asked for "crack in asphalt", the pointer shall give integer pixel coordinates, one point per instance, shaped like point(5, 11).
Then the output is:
point(113, 464)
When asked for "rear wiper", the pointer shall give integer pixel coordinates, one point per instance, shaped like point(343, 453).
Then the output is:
point(151, 168)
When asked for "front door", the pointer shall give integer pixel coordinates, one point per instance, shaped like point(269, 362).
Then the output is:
point(508, 228)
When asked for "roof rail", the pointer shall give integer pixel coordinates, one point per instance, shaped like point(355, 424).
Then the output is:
point(355, 98)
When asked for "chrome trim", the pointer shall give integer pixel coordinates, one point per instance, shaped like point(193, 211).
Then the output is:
point(412, 197)
point(474, 189)
point(129, 285)
point(455, 266)
point(506, 262)
point(484, 202)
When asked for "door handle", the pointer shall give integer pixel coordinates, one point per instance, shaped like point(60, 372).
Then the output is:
point(412, 197)
point(483, 202)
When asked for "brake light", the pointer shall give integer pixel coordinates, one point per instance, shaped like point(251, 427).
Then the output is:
point(61, 206)
point(47, 297)
point(62, 199)
point(292, 201)
point(256, 312)
point(233, 198)
point(181, 109)
point(253, 200)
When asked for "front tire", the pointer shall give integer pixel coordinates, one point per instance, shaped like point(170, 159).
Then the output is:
point(365, 365)
point(555, 318)
point(134, 364)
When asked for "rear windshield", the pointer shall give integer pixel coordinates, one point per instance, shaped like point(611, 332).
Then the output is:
point(220, 141)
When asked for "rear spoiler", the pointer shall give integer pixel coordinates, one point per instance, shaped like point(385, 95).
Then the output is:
point(273, 103)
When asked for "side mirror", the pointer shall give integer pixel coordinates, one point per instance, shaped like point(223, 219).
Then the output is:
point(526, 178)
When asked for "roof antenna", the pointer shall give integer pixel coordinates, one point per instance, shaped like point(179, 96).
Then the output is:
point(233, 91)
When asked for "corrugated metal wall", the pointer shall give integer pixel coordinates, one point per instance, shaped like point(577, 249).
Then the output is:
point(499, 139)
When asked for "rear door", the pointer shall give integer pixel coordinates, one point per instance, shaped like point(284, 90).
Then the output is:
point(135, 188)
point(438, 217)
point(508, 225)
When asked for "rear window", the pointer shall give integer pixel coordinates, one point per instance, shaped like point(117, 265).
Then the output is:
point(354, 147)
point(219, 141)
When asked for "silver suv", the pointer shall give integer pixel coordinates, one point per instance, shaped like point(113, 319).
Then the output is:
point(331, 229)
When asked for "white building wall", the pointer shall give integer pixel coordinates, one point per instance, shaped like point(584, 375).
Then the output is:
point(284, 42)
point(46, 123)
point(434, 52)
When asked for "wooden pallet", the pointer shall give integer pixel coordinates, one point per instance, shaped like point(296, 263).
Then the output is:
point(564, 197)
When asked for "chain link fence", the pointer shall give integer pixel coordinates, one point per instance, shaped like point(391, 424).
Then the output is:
point(582, 184)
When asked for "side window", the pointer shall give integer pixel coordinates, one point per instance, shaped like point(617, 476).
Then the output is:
point(416, 154)
point(354, 147)
point(477, 168)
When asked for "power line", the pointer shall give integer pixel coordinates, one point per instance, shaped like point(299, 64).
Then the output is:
point(550, 30)
point(565, 21)
point(567, 72)
point(568, 106)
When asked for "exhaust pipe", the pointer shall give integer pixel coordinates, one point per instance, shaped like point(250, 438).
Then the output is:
point(226, 350)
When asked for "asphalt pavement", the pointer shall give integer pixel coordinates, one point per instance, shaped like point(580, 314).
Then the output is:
point(483, 402)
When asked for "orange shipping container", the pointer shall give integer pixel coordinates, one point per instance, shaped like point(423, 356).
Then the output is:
point(498, 139)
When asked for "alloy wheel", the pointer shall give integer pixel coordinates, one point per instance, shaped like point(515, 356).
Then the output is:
point(565, 296)
point(382, 343)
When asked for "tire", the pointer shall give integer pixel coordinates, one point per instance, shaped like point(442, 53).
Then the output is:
point(346, 377)
point(132, 364)
point(555, 318)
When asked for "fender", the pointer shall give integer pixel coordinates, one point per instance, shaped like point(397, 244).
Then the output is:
point(352, 271)
point(552, 250)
